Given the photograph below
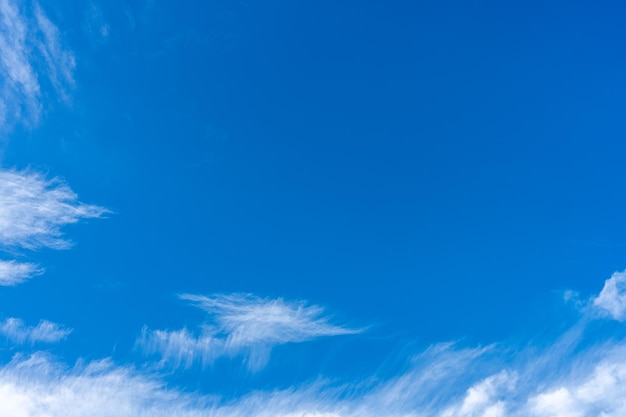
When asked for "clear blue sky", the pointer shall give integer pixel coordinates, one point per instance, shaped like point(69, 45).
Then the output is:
point(283, 193)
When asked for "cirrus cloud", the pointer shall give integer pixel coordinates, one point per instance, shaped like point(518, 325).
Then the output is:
point(33, 209)
point(13, 272)
point(45, 332)
point(241, 324)
point(27, 36)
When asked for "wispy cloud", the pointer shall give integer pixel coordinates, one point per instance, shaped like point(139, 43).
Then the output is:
point(569, 377)
point(33, 209)
point(443, 381)
point(612, 298)
point(13, 273)
point(60, 61)
point(241, 324)
point(45, 332)
point(25, 39)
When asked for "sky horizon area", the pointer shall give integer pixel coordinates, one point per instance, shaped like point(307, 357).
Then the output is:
point(323, 209)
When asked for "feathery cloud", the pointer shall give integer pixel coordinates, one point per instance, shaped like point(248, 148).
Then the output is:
point(33, 209)
point(564, 379)
point(13, 273)
point(45, 332)
point(25, 39)
point(241, 324)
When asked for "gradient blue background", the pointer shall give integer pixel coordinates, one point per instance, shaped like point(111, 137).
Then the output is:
point(434, 169)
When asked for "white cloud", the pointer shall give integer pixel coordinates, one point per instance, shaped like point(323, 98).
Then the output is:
point(181, 347)
point(249, 319)
point(13, 273)
point(484, 398)
point(45, 332)
point(444, 382)
point(37, 386)
point(24, 41)
point(601, 392)
point(241, 324)
point(612, 298)
point(33, 209)
point(560, 380)
point(563, 379)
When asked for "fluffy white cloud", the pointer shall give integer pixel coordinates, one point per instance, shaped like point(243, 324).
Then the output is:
point(37, 386)
point(484, 398)
point(601, 392)
point(25, 39)
point(241, 324)
point(33, 209)
point(13, 273)
point(612, 298)
point(45, 332)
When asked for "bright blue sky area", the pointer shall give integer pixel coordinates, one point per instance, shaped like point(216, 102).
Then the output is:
point(435, 170)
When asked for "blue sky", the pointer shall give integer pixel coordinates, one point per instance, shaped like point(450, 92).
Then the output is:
point(321, 209)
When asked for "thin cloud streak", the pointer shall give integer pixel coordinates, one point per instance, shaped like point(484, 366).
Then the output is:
point(60, 62)
point(14, 273)
point(240, 324)
point(24, 40)
point(45, 332)
point(20, 88)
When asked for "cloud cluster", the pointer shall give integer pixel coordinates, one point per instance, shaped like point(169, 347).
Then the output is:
point(444, 381)
point(27, 37)
point(241, 324)
point(563, 379)
point(45, 332)
point(33, 210)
